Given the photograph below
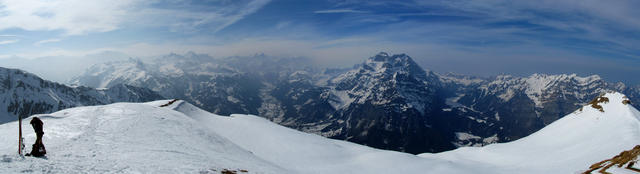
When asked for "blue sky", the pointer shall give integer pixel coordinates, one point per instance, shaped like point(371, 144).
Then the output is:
point(480, 37)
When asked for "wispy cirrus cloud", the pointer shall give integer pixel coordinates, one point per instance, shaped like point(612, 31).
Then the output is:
point(589, 25)
point(46, 41)
point(77, 17)
point(339, 11)
point(4, 42)
point(191, 17)
point(74, 17)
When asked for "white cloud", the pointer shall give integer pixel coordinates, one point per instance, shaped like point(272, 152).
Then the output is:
point(47, 41)
point(283, 24)
point(79, 17)
point(185, 19)
point(339, 11)
point(591, 19)
point(74, 17)
point(250, 8)
point(4, 42)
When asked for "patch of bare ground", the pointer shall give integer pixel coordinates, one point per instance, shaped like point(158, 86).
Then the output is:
point(629, 157)
point(228, 171)
point(224, 171)
point(626, 100)
point(170, 102)
point(595, 103)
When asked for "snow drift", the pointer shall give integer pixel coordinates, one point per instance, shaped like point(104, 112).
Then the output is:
point(181, 138)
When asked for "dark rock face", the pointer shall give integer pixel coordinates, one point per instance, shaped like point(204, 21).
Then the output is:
point(387, 102)
point(24, 94)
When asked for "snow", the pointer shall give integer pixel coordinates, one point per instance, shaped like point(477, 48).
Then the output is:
point(466, 139)
point(492, 139)
point(537, 83)
point(343, 99)
point(568, 145)
point(453, 101)
point(126, 138)
point(460, 79)
point(181, 138)
point(477, 119)
point(539, 87)
point(466, 136)
point(233, 99)
point(507, 95)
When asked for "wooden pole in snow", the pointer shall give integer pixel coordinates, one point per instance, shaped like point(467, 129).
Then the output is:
point(19, 134)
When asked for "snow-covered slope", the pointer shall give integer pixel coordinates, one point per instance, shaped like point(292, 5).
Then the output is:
point(569, 144)
point(126, 138)
point(516, 107)
point(181, 138)
point(308, 153)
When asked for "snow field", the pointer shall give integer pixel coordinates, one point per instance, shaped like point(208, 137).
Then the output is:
point(181, 138)
point(125, 138)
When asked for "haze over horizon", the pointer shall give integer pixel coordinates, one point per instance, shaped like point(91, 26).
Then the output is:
point(481, 38)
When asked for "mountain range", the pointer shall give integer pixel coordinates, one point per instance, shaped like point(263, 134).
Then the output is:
point(24, 94)
point(387, 102)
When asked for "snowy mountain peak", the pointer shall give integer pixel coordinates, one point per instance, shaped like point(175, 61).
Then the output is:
point(382, 54)
point(384, 57)
point(564, 77)
point(113, 73)
point(396, 59)
point(384, 64)
point(540, 87)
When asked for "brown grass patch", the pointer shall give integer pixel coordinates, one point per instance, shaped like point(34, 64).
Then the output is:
point(595, 103)
point(629, 157)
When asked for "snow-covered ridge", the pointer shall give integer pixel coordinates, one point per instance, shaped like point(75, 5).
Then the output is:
point(539, 86)
point(127, 138)
point(461, 79)
point(181, 138)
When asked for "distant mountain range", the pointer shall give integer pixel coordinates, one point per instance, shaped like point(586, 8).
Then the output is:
point(24, 94)
point(386, 102)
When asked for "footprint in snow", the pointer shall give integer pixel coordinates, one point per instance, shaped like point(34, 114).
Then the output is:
point(6, 159)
